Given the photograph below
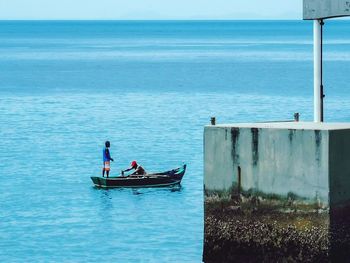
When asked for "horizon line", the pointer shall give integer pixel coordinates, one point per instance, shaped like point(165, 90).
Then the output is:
point(165, 20)
point(190, 19)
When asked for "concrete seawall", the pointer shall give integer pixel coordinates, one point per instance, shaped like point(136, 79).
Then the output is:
point(286, 177)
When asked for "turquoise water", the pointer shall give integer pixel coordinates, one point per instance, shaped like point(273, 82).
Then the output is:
point(149, 88)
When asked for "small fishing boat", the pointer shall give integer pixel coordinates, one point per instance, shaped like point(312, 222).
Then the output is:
point(167, 178)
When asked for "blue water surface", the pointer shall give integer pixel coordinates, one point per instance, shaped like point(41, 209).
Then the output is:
point(149, 87)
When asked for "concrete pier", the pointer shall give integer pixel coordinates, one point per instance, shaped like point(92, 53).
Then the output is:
point(288, 179)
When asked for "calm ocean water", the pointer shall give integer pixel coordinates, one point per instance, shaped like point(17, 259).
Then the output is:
point(148, 87)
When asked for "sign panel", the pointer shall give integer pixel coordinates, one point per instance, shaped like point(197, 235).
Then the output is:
point(322, 9)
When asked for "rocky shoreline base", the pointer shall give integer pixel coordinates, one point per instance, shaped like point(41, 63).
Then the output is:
point(255, 229)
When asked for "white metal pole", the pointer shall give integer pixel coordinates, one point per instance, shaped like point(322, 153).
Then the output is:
point(317, 71)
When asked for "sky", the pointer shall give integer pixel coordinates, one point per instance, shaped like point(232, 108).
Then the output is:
point(149, 9)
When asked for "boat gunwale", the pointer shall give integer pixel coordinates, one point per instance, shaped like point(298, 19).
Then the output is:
point(119, 178)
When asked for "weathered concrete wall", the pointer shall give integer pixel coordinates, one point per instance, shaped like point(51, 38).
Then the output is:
point(272, 160)
point(339, 167)
point(305, 160)
point(317, 9)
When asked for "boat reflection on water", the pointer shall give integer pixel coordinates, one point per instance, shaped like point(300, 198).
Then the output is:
point(172, 188)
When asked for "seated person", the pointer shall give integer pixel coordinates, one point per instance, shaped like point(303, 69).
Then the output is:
point(138, 169)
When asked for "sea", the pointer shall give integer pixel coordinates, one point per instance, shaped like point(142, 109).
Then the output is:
point(149, 87)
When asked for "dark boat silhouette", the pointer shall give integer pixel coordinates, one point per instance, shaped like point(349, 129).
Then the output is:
point(163, 179)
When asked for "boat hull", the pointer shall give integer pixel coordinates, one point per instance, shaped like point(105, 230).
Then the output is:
point(164, 179)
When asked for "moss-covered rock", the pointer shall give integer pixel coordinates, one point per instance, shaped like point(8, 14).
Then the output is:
point(257, 229)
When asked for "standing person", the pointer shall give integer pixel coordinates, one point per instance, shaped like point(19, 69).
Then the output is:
point(106, 159)
point(138, 169)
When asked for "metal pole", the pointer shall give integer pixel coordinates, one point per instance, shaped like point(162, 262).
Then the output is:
point(318, 88)
point(322, 93)
point(296, 116)
point(213, 121)
point(317, 71)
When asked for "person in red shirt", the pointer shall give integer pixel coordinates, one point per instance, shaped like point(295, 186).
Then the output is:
point(138, 169)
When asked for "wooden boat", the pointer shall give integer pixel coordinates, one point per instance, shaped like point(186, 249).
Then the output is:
point(167, 178)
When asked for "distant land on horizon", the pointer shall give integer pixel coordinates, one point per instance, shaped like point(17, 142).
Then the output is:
point(159, 20)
